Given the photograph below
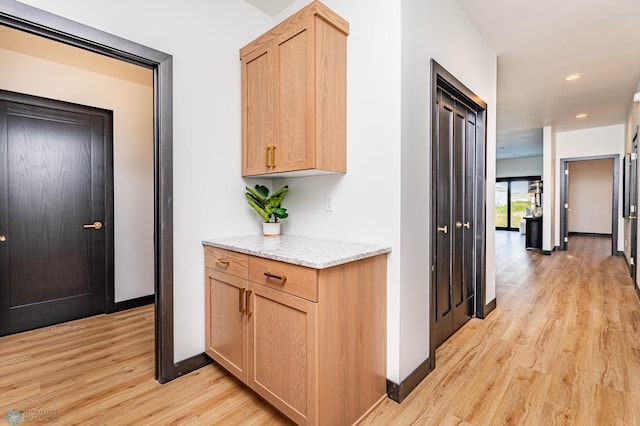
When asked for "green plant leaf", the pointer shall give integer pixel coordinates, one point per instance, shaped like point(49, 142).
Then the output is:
point(260, 200)
point(253, 198)
point(280, 213)
point(262, 190)
point(266, 215)
point(276, 198)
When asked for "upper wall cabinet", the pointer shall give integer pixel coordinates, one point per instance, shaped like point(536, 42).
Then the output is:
point(294, 96)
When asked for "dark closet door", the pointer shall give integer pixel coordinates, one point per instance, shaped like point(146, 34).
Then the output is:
point(53, 195)
point(454, 167)
point(443, 148)
point(462, 255)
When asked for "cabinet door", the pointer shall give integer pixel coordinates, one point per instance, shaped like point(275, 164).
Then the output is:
point(226, 322)
point(295, 100)
point(282, 336)
point(258, 114)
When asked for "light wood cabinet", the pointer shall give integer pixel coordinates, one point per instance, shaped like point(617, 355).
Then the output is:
point(312, 342)
point(294, 95)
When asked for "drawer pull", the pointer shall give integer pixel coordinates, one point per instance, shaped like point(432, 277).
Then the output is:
point(282, 278)
point(223, 262)
point(248, 311)
point(241, 307)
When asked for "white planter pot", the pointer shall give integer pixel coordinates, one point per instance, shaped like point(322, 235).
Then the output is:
point(270, 229)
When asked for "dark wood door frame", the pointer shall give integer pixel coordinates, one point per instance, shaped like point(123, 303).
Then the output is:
point(632, 199)
point(36, 21)
point(564, 199)
point(442, 78)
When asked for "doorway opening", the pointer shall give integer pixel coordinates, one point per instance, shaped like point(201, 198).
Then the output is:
point(35, 21)
point(458, 193)
point(586, 201)
point(513, 201)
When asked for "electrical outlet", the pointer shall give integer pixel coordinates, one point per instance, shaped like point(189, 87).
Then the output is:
point(329, 203)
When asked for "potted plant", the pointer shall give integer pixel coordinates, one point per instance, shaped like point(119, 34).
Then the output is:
point(268, 207)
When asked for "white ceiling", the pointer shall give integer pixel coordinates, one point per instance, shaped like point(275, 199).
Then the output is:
point(538, 43)
point(271, 7)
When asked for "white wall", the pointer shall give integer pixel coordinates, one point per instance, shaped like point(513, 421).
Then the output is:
point(514, 167)
point(549, 186)
point(590, 196)
point(132, 106)
point(597, 141)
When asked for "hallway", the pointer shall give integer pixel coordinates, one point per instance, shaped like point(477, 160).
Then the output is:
point(562, 347)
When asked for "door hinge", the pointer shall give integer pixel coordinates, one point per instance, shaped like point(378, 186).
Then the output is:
point(566, 172)
point(566, 239)
point(632, 261)
point(634, 155)
point(633, 208)
point(566, 205)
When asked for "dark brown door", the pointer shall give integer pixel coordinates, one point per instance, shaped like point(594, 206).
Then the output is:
point(454, 166)
point(54, 196)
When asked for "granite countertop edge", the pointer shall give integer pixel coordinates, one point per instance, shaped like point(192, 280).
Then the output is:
point(298, 250)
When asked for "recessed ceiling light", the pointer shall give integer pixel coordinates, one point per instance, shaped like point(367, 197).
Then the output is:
point(573, 77)
point(583, 115)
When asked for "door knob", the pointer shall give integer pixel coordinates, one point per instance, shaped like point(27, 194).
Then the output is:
point(3, 238)
point(458, 224)
point(94, 225)
point(443, 229)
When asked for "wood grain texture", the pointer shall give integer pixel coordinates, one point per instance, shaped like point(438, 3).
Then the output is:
point(294, 95)
point(57, 178)
point(297, 280)
point(561, 348)
point(314, 8)
point(282, 341)
point(225, 322)
point(99, 370)
point(352, 331)
point(229, 262)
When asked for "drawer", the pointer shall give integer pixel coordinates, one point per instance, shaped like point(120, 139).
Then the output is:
point(226, 261)
point(293, 279)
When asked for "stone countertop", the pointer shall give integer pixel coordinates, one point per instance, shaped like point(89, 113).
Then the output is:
point(305, 251)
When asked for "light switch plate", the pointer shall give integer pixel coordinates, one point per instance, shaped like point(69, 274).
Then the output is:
point(329, 203)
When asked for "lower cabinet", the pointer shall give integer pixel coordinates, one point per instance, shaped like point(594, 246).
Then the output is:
point(310, 342)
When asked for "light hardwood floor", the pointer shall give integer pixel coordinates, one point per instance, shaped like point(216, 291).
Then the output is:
point(562, 347)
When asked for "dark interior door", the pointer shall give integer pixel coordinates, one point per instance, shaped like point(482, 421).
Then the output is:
point(454, 166)
point(54, 197)
point(464, 160)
